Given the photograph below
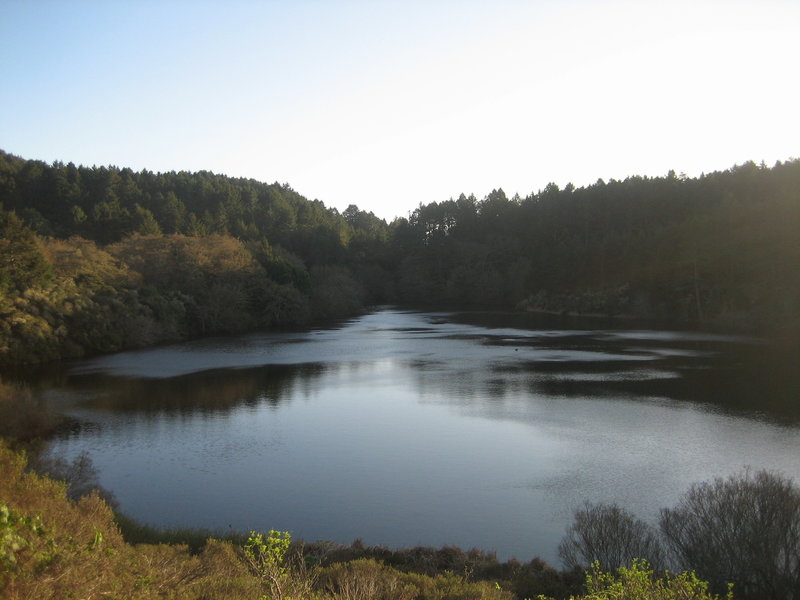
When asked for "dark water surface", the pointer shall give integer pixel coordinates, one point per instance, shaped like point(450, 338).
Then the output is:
point(405, 428)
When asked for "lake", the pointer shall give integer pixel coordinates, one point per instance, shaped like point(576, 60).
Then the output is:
point(407, 428)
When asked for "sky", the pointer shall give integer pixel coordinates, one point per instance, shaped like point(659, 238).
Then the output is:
point(389, 104)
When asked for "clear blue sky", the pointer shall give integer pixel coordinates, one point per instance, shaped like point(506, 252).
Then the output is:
point(386, 104)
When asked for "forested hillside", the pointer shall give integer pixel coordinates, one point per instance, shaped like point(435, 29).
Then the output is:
point(102, 258)
point(99, 259)
point(722, 248)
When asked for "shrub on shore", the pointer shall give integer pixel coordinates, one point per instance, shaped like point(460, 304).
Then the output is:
point(742, 530)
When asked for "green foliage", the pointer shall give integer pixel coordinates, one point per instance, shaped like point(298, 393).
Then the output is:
point(106, 204)
point(10, 540)
point(717, 249)
point(638, 582)
point(267, 554)
point(140, 287)
point(141, 291)
point(267, 558)
point(15, 532)
point(22, 263)
point(144, 222)
point(335, 292)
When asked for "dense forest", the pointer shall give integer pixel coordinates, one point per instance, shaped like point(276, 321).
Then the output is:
point(95, 259)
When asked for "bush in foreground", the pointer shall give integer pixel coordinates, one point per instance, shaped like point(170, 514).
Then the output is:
point(52, 547)
point(639, 582)
point(610, 536)
point(744, 529)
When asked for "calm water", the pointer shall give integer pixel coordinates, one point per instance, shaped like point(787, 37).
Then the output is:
point(405, 428)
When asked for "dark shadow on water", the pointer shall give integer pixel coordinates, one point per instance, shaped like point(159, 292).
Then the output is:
point(209, 392)
point(541, 320)
point(532, 354)
point(732, 374)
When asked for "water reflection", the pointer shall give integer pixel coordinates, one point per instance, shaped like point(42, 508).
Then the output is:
point(214, 390)
point(404, 428)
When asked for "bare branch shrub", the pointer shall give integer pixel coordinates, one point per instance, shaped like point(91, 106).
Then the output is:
point(80, 474)
point(609, 535)
point(744, 529)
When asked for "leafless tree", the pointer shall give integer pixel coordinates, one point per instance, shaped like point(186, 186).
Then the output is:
point(610, 535)
point(744, 529)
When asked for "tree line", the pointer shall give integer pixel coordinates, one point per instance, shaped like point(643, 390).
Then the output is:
point(96, 259)
point(100, 259)
point(718, 249)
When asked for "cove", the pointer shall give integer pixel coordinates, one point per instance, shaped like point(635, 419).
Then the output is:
point(407, 428)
